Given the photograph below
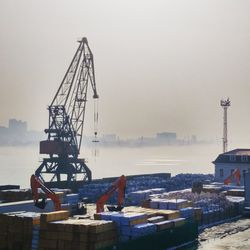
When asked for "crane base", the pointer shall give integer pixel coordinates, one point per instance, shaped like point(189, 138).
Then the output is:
point(63, 172)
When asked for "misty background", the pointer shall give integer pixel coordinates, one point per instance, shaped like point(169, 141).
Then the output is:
point(161, 65)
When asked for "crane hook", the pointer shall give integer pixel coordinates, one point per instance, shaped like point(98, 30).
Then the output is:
point(95, 120)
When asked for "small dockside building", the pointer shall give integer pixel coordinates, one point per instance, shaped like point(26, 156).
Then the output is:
point(227, 162)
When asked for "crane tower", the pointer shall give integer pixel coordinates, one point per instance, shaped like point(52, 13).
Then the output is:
point(225, 104)
point(63, 168)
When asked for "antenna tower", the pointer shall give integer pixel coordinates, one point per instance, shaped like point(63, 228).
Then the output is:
point(225, 104)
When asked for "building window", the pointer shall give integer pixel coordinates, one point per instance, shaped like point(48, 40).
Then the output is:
point(232, 157)
point(244, 158)
point(221, 172)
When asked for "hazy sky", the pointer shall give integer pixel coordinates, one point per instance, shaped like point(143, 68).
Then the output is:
point(160, 65)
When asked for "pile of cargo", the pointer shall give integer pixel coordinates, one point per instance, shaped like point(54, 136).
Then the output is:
point(205, 201)
point(147, 182)
point(171, 204)
point(58, 231)
point(184, 207)
point(137, 197)
point(183, 181)
point(19, 230)
point(134, 183)
point(142, 187)
point(212, 188)
point(204, 208)
point(54, 230)
point(127, 223)
point(236, 192)
point(137, 222)
point(167, 214)
point(13, 195)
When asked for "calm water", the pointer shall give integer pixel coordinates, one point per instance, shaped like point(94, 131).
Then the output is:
point(18, 163)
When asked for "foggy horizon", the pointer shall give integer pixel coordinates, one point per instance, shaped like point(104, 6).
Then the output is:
point(159, 65)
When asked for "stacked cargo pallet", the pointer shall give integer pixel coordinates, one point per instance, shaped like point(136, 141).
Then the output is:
point(171, 204)
point(3, 232)
point(198, 215)
point(127, 223)
point(150, 184)
point(212, 188)
point(236, 192)
point(137, 197)
point(187, 212)
point(167, 214)
point(18, 230)
point(13, 195)
point(136, 222)
point(60, 232)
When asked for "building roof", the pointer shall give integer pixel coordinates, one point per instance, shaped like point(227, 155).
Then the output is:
point(239, 155)
point(239, 151)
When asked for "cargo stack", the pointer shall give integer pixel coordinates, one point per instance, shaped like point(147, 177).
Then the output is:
point(60, 232)
point(167, 214)
point(163, 225)
point(13, 195)
point(156, 219)
point(143, 230)
point(171, 204)
point(187, 212)
point(138, 197)
point(136, 222)
point(128, 224)
point(236, 192)
point(198, 215)
point(3, 232)
point(212, 189)
point(17, 230)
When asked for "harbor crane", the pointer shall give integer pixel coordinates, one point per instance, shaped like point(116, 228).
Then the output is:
point(63, 168)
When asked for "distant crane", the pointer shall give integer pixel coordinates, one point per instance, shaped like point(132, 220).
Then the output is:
point(66, 119)
point(225, 104)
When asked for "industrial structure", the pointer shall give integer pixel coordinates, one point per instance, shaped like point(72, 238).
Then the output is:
point(225, 104)
point(227, 163)
point(63, 168)
point(120, 186)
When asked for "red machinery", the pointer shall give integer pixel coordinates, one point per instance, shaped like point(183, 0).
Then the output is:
point(120, 185)
point(36, 183)
point(234, 175)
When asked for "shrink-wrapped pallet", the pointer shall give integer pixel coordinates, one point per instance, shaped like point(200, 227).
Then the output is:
point(163, 225)
point(78, 234)
point(143, 229)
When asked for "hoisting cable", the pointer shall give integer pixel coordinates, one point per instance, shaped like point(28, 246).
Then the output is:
point(96, 119)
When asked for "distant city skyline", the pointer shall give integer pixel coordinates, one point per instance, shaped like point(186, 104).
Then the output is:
point(17, 133)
